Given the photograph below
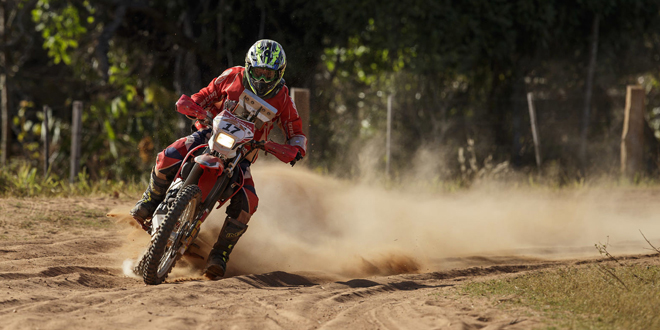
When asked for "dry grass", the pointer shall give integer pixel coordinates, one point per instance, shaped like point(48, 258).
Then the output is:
point(22, 180)
point(606, 295)
point(44, 217)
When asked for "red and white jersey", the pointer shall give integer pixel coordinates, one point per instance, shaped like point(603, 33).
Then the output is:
point(229, 86)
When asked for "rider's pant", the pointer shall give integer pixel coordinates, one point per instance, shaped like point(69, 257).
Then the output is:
point(244, 203)
point(169, 160)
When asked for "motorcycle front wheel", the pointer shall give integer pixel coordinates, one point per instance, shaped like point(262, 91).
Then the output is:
point(164, 249)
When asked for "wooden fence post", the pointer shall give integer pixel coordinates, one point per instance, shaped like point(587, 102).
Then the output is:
point(586, 113)
point(5, 139)
point(388, 142)
point(46, 138)
point(632, 139)
point(76, 135)
point(535, 132)
point(300, 97)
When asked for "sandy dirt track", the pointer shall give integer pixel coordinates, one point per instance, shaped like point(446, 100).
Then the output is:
point(76, 282)
point(61, 262)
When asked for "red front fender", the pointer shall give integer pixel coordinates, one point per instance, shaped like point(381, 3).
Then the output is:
point(213, 168)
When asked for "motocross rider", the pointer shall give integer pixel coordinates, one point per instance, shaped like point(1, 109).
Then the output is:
point(264, 67)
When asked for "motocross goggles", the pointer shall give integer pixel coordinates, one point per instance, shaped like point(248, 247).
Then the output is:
point(264, 74)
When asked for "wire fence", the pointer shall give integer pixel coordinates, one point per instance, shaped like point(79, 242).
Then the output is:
point(559, 120)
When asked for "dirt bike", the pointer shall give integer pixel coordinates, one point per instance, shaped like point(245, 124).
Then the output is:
point(209, 174)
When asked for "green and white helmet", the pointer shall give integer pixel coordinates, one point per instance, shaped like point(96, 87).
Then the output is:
point(264, 66)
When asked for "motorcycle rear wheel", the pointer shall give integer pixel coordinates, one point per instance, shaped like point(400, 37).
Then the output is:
point(164, 249)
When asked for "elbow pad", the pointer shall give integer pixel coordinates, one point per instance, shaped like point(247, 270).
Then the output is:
point(299, 141)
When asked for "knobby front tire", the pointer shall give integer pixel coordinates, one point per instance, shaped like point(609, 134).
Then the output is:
point(163, 251)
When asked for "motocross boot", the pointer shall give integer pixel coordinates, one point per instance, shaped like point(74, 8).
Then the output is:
point(145, 207)
point(231, 231)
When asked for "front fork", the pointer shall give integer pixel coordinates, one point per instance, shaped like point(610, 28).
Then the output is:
point(221, 184)
point(203, 210)
point(163, 207)
point(206, 207)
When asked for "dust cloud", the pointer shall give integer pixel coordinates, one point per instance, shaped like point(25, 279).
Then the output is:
point(309, 222)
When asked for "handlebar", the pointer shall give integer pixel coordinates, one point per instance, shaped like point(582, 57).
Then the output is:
point(284, 152)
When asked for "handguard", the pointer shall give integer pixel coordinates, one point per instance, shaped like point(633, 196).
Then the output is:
point(188, 107)
point(283, 152)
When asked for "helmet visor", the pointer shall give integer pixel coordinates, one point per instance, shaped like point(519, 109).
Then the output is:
point(264, 74)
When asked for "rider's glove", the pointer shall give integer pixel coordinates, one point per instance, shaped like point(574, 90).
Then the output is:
point(299, 156)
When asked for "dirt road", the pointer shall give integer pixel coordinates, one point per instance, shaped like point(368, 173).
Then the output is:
point(75, 281)
point(62, 261)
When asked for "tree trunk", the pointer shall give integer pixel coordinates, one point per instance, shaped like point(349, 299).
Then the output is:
point(220, 35)
point(498, 107)
point(586, 114)
point(504, 111)
point(188, 75)
point(518, 108)
point(103, 42)
point(262, 24)
point(4, 93)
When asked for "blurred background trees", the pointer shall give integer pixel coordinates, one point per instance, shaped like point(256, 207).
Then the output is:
point(459, 73)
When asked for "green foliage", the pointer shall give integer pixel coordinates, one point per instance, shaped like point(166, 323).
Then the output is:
point(61, 29)
point(23, 180)
point(458, 72)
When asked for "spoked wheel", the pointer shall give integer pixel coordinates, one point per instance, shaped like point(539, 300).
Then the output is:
point(164, 250)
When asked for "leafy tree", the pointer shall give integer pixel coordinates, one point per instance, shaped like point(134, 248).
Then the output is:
point(459, 72)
